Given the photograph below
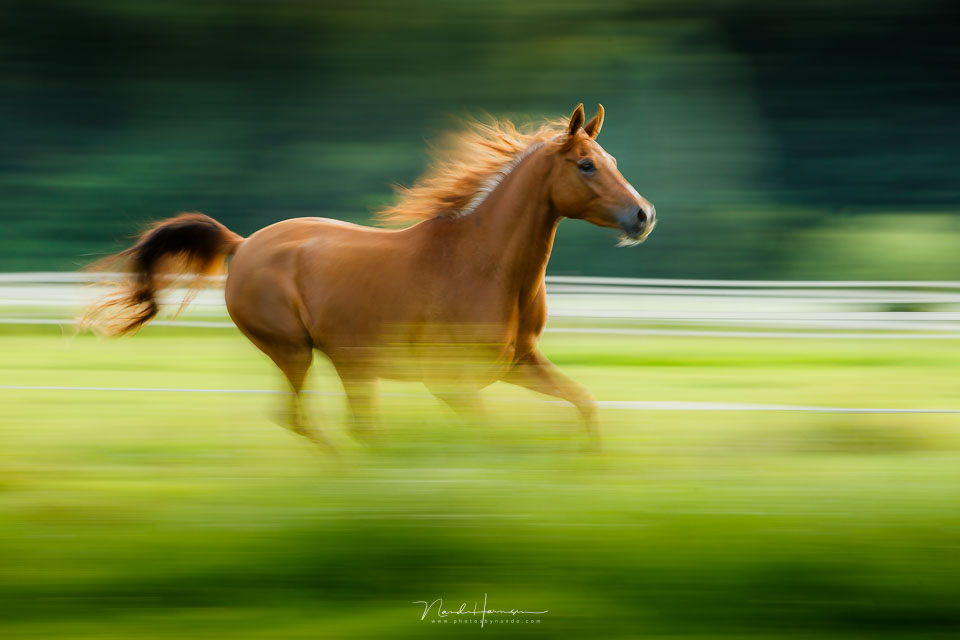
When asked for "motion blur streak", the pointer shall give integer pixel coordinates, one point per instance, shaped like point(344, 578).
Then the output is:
point(134, 512)
point(803, 160)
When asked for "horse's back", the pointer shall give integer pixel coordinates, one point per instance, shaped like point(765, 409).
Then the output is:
point(303, 271)
point(282, 244)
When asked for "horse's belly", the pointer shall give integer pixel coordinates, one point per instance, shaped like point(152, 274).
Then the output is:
point(460, 355)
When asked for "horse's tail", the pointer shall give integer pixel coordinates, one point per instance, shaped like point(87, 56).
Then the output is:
point(189, 245)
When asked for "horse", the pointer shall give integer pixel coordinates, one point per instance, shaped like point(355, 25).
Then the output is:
point(456, 300)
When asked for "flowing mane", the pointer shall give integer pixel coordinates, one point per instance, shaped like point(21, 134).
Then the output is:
point(466, 167)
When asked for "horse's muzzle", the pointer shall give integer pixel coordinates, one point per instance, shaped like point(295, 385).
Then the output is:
point(638, 224)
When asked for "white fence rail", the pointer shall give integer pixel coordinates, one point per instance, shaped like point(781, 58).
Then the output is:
point(869, 309)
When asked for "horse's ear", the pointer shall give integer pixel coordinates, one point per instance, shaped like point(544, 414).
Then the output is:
point(576, 120)
point(596, 123)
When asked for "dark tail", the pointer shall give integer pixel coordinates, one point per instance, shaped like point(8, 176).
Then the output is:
point(189, 245)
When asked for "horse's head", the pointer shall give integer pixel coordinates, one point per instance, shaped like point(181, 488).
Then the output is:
point(587, 184)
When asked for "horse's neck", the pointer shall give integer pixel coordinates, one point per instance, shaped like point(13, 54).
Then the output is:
point(512, 230)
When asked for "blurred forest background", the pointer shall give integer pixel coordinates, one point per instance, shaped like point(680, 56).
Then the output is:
point(777, 139)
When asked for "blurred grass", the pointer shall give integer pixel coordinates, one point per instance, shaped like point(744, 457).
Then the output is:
point(158, 515)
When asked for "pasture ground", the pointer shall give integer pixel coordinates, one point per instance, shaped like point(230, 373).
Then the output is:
point(186, 515)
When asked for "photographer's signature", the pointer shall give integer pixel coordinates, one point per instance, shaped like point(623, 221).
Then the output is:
point(475, 611)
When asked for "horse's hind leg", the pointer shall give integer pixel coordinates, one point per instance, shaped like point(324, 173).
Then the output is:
point(295, 363)
point(362, 394)
point(294, 360)
point(264, 306)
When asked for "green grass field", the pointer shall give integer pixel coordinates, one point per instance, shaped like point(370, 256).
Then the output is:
point(183, 515)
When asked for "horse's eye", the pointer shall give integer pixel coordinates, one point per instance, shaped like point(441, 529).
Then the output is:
point(586, 166)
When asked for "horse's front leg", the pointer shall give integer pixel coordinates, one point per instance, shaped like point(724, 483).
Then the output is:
point(535, 372)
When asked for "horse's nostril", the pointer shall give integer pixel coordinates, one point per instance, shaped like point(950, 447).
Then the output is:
point(641, 217)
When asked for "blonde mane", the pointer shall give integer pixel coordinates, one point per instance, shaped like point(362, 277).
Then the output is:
point(466, 168)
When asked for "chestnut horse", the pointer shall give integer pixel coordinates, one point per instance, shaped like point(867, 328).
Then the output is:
point(456, 301)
